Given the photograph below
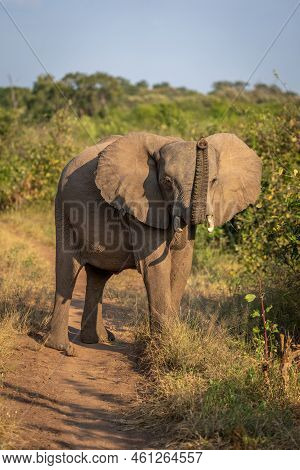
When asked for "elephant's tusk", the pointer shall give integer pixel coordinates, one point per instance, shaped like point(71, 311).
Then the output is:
point(211, 224)
point(177, 224)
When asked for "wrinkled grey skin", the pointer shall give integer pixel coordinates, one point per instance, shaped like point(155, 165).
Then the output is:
point(138, 189)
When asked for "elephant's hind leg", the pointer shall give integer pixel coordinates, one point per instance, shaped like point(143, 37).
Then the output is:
point(92, 326)
point(67, 270)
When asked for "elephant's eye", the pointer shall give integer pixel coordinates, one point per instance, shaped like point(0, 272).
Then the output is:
point(167, 182)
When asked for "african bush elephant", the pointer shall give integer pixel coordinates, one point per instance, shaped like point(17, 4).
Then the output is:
point(134, 201)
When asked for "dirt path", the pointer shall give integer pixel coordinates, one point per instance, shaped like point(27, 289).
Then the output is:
point(78, 402)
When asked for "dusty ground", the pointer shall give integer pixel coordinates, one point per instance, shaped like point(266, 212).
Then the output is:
point(78, 402)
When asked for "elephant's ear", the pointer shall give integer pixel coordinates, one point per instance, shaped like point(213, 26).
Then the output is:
point(238, 179)
point(127, 177)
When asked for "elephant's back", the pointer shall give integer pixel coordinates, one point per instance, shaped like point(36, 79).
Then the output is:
point(78, 177)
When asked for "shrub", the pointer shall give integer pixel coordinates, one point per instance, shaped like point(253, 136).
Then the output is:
point(269, 232)
point(31, 159)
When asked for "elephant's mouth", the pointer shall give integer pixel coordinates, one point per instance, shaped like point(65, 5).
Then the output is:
point(181, 218)
point(177, 224)
point(177, 215)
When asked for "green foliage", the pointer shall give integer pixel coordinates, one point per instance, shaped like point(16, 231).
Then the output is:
point(250, 297)
point(31, 159)
point(264, 331)
point(269, 233)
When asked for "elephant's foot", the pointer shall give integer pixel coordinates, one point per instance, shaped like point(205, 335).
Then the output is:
point(64, 346)
point(92, 337)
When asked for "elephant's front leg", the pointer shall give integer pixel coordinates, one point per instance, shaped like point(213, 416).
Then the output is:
point(180, 271)
point(92, 326)
point(156, 274)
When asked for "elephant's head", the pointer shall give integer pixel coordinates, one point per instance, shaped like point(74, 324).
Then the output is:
point(155, 178)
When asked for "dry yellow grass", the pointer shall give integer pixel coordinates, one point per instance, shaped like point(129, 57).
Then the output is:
point(206, 389)
point(8, 423)
point(26, 287)
point(206, 384)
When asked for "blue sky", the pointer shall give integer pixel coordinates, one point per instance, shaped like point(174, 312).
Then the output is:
point(188, 43)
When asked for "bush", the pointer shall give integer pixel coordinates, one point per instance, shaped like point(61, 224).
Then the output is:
point(269, 233)
point(31, 159)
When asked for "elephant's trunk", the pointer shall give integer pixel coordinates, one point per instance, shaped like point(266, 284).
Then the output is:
point(200, 185)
